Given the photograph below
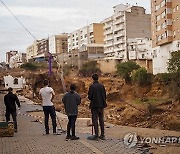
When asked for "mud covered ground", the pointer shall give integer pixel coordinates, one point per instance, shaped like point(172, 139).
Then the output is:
point(128, 105)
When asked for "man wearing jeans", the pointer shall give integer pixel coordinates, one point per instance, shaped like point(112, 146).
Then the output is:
point(47, 94)
point(71, 100)
point(97, 96)
point(10, 101)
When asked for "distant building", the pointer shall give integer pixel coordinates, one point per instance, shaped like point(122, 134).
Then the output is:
point(32, 51)
point(165, 15)
point(38, 50)
point(89, 38)
point(58, 44)
point(139, 48)
point(17, 60)
point(9, 54)
point(125, 23)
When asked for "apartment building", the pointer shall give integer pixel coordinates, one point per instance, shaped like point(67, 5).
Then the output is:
point(126, 23)
point(140, 49)
point(87, 38)
point(58, 44)
point(9, 54)
point(17, 60)
point(165, 32)
point(38, 50)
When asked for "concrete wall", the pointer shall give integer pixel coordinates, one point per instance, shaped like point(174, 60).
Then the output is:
point(146, 64)
point(10, 82)
point(138, 24)
point(107, 66)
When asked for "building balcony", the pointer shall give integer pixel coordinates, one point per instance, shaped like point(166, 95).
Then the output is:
point(107, 26)
point(109, 38)
point(108, 32)
point(120, 49)
point(118, 28)
point(119, 35)
point(119, 21)
point(167, 40)
point(119, 42)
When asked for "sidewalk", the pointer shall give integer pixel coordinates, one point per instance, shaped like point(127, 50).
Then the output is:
point(30, 139)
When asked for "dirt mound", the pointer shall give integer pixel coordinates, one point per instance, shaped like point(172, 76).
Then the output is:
point(128, 105)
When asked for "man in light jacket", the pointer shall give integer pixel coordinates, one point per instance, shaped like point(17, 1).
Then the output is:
point(71, 100)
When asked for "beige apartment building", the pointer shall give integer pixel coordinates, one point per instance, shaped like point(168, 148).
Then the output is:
point(127, 22)
point(39, 49)
point(165, 17)
point(87, 38)
point(58, 44)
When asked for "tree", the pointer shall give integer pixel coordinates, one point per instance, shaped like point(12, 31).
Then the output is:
point(124, 69)
point(174, 62)
point(141, 77)
point(174, 68)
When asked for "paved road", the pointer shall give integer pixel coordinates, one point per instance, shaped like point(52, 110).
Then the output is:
point(30, 139)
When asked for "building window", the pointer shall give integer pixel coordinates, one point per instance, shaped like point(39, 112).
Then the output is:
point(143, 56)
point(163, 14)
point(177, 7)
point(163, 3)
point(16, 81)
point(174, 9)
point(174, 33)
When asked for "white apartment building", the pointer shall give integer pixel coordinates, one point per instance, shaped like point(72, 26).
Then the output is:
point(125, 23)
point(161, 55)
point(91, 35)
point(17, 60)
point(140, 49)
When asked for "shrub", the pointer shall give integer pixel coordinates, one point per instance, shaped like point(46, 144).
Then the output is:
point(124, 70)
point(165, 77)
point(89, 68)
point(141, 77)
point(29, 66)
point(174, 62)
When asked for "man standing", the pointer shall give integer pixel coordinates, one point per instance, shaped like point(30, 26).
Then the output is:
point(47, 94)
point(9, 100)
point(97, 96)
point(71, 100)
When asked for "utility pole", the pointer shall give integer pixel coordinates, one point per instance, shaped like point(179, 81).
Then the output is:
point(50, 63)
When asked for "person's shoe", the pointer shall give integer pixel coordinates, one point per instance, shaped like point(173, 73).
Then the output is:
point(55, 133)
point(102, 137)
point(68, 137)
point(94, 137)
point(47, 133)
point(15, 130)
point(74, 138)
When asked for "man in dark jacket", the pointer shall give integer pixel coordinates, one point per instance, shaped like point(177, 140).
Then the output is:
point(71, 100)
point(10, 101)
point(97, 96)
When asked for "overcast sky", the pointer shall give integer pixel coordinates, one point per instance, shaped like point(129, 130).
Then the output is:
point(44, 18)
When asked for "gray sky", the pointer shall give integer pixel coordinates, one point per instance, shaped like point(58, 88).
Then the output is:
point(44, 18)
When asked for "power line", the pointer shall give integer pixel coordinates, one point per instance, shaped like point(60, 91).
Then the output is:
point(18, 20)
